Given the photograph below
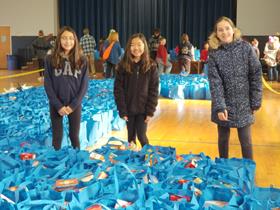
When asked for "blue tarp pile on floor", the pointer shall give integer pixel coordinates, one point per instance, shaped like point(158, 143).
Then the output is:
point(194, 86)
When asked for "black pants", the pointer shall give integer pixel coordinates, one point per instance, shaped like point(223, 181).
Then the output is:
point(41, 63)
point(245, 139)
point(153, 55)
point(185, 65)
point(136, 126)
point(57, 127)
point(110, 70)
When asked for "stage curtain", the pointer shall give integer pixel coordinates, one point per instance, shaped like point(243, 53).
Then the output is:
point(173, 17)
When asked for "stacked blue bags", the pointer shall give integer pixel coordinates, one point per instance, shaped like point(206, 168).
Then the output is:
point(118, 177)
point(194, 86)
point(25, 115)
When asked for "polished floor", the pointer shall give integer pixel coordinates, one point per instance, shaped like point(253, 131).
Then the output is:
point(186, 125)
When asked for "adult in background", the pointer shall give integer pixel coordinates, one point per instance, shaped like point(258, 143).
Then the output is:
point(235, 80)
point(41, 47)
point(255, 45)
point(270, 57)
point(154, 43)
point(88, 45)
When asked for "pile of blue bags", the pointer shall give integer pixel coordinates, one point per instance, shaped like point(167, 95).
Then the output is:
point(194, 86)
point(118, 177)
point(25, 115)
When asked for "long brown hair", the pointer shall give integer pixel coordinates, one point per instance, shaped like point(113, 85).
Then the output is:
point(75, 55)
point(127, 59)
point(214, 41)
point(185, 38)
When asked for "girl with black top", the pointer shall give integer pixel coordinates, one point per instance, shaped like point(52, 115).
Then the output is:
point(66, 82)
point(136, 88)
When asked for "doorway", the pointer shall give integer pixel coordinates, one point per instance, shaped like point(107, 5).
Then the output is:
point(5, 45)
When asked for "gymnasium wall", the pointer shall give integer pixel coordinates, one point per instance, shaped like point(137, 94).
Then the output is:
point(26, 17)
point(258, 17)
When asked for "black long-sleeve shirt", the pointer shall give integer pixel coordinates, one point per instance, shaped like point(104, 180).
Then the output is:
point(65, 87)
point(136, 92)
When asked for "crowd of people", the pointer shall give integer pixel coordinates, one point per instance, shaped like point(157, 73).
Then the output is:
point(232, 65)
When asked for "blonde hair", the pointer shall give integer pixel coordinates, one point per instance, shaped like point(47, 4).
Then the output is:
point(113, 37)
point(213, 40)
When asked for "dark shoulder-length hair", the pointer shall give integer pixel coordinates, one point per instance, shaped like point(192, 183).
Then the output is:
point(75, 55)
point(127, 60)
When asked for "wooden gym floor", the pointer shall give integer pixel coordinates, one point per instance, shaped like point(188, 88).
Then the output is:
point(186, 125)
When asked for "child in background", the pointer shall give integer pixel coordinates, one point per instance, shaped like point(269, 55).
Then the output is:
point(136, 88)
point(204, 57)
point(255, 45)
point(185, 55)
point(164, 66)
point(66, 82)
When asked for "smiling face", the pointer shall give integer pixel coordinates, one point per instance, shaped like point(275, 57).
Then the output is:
point(225, 32)
point(67, 41)
point(137, 48)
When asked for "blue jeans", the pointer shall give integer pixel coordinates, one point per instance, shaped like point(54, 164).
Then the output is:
point(163, 68)
point(272, 73)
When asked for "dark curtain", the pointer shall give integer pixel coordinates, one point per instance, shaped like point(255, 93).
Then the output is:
point(173, 17)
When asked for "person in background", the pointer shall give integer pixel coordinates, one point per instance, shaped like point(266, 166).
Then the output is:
point(204, 57)
point(115, 54)
point(278, 64)
point(154, 43)
point(100, 44)
point(270, 54)
point(136, 88)
point(41, 47)
point(235, 77)
point(51, 39)
point(164, 66)
point(88, 45)
point(185, 55)
point(255, 45)
point(66, 83)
